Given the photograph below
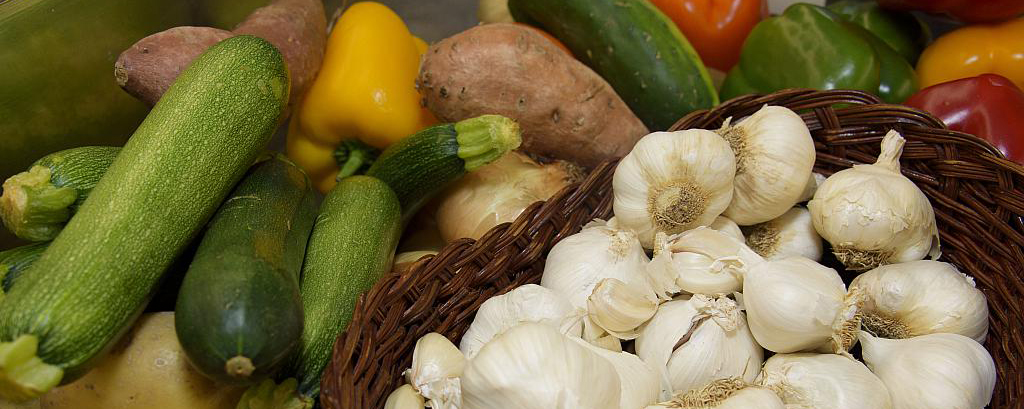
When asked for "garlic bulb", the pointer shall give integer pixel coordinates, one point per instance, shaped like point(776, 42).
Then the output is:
point(672, 182)
point(922, 297)
point(791, 234)
point(405, 397)
point(526, 303)
point(824, 381)
point(701, 261)
point(639, 380)
point(619, 309)
point(533, 366)
point(774, 157)
point(873, 215)
point(934, 371)
point(436, 367)
point(730, 393)
point(497, 193)
point(698, 339)
point(727, 226)
point(795, 304)
point(577, 263)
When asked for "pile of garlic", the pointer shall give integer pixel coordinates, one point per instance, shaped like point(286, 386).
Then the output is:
point(709, 266)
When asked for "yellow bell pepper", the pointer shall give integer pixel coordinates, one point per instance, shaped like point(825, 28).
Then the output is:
point(974, 50)
point(363, 98)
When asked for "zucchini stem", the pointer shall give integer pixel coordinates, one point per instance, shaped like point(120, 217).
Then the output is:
point(23, 376)
point(486, 138)
point(354, 158)
point(32, 207)
point(268, 395)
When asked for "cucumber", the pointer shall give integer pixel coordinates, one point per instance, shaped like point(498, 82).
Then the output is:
point(633, 46)
point(94, 279)
point(239, 314)
point(351, 247)
point(14, 261)
point(37, 203)
point(423, 164)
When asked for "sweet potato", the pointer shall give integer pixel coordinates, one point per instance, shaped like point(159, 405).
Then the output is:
point(566, 110)
point(298, 28)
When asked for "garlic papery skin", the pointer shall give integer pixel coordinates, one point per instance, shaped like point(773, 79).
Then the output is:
point(824, 381)
point(405, 397)
point(639, 380)
point(731, 393)
point(922, 297)
point(813, 182)
point(774, 158)
point(727, 226)
point(672, 182)
point(577, 263)
point(526, 303)
point(533, 366)
point(795, 304)
point(619, 309)
point(873, 215)
point(497, 193)
point(791, 234)
point(934, 371)
point(436, 367)
point(698, 339)
point(701, 261)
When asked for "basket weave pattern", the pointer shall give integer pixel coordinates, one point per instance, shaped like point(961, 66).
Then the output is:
point(978, 197)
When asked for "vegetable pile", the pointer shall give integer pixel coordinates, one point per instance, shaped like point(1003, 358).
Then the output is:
point(707, 289)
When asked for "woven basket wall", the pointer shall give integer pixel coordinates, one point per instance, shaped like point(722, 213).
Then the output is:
point(978, 198)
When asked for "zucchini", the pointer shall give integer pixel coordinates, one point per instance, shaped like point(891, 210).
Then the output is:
point(633, 46)
point(421, 165)
point(14, 261)
point(37, 203)
point(239, 314)
point(94, 279)
point(351, 247)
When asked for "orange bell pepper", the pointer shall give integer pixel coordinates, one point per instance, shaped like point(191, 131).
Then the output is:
point(974, 50)
point(715, 28)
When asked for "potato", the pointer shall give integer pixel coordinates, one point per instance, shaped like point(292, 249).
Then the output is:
point(565, 109)
point(146, 370)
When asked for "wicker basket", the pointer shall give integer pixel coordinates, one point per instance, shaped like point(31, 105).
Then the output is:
point(978, 198)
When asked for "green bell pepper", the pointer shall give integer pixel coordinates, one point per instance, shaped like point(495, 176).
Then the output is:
point(809, 46)
point(904, 32)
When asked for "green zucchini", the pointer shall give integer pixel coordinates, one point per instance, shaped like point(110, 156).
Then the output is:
point(37, 203)
point(239, 314)
point(351, 247)
point(94, 279)
point(14, 261)
point(633, 46)
point(420, 166)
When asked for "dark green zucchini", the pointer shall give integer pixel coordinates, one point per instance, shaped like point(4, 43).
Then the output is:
point(239, 314)
point(37, 203)
point(420, 166)
point(633, 46)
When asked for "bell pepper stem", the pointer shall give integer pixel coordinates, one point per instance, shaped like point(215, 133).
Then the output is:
point(23, 375)
point(32, 207)
point(486, 138)
point(268, 395)
point(354, 158)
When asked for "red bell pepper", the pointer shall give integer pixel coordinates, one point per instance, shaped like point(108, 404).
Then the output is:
point(716, 29)
point(968, 11)
point(988, 106)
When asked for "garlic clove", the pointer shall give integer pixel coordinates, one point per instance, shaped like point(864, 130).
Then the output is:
point(619, 308)
point(599, 337)
point(873, 215)
point(730, 393)
point(791, 234)
point(934, 371)
point(774, 157)
point(672, 182)
point(704, 261)
point(405, 397)
point(436, 367)
point(922, 297)
point(824, 380)
point(526, 303)
point(639, 381)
